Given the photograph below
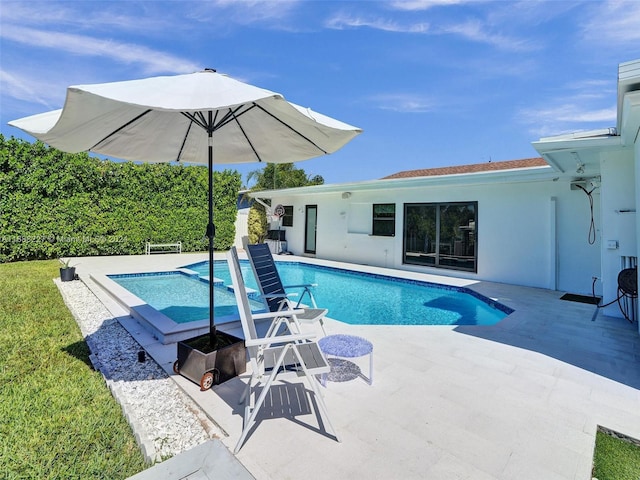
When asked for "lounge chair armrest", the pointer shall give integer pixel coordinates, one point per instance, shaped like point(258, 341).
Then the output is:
point(256, 342)
point(304, 285)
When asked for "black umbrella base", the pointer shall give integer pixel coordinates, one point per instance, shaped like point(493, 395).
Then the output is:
point(206, 368)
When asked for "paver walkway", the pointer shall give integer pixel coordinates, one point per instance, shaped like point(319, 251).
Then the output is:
point(519, 400)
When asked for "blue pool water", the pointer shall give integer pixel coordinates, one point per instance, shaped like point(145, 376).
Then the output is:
point(180, 297)
point(351, 297)
point(366, 299)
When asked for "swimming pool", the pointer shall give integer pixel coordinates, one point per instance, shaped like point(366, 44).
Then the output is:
point(351, 297)
point(181, 297)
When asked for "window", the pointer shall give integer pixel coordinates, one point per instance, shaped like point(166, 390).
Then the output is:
point(384, 219)
point(441, 235)
point(287, 218)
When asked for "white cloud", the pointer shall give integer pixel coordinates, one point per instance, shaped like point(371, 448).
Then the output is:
point(572, 113)
point(614, 22)
point(148, 17)
point(242, 12)
point(477, 31)
point(31, 89)
point(403, 102)
point(569, 116)
point(586, 104)
point(526, 14)
point(151, 61)
point(472, 30)
point(413, 5)
point(340, 21)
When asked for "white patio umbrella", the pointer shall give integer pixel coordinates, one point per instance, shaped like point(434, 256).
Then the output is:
point(194, 118)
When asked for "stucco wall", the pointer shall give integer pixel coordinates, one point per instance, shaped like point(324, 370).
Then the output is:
point(578, 259)
point(636, 164)
point(618, 201)
point(519, 226)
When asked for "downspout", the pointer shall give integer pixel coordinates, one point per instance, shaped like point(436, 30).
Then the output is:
point(553, 243)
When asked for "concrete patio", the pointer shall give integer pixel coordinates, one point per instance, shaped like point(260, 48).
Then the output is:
point(518, 400)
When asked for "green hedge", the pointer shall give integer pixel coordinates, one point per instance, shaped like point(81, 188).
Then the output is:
point(55, 204)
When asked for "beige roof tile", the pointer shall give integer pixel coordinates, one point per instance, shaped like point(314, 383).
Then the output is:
point(475, 168)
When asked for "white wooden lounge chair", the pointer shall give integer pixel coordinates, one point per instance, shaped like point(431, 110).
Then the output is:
point(273, 292)
point(272, 355)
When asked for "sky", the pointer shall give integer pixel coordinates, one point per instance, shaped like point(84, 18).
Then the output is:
point(432, 83)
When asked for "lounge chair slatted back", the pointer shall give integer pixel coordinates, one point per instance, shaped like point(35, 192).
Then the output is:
point(274, 293)
point(266, 273)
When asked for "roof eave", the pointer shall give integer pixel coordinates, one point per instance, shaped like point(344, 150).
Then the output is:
point(628, 81)
point(517, 175)
point(562, 142)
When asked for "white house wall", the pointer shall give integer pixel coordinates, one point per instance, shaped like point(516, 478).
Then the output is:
point(578, 259)
point(517, 223)
point(619, 220)
point(636, 163)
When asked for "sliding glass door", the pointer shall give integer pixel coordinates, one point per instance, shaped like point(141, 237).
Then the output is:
point(441, 235)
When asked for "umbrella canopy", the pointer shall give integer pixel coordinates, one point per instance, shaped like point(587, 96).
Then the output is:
point(165, 119)
point(190, 118)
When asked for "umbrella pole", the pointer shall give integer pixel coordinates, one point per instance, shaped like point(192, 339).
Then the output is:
point(211, 231)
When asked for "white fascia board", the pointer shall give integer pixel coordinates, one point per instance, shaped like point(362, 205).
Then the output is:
point(581, 135)
point(517, 175)
point(630, 119)
point(318, 189)
point(628, 72)
point(562, 143)
point(628, 81)
point(557, 152)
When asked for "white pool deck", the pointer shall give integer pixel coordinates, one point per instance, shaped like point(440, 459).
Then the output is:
point(518, 400)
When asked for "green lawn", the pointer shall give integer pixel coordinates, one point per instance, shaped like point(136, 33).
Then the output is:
point(57, 416)
point(615, 459)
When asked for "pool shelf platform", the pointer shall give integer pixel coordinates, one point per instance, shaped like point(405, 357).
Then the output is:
point(163, 328)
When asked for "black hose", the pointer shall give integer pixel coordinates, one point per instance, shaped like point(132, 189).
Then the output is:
point(621, 294)
point(623, 309)
point(613, 301)
point(592, 226)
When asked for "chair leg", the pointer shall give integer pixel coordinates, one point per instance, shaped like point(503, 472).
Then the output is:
point(322, 326)
point(248, 401)
point(274, 327)
point(314, 384)
point(249, 422)
point(247, 390)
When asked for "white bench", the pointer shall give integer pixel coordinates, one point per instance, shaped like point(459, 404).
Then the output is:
point(163, 248)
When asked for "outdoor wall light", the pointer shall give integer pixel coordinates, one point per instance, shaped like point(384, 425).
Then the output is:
point(346, 195)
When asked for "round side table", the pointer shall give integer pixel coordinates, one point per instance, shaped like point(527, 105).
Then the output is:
point(347, 346)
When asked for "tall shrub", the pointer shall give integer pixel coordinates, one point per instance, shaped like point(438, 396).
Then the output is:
point(257, 224)
point(272, 177)
point(55, 204)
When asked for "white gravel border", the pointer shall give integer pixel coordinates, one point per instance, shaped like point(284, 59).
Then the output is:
point(165, 421)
